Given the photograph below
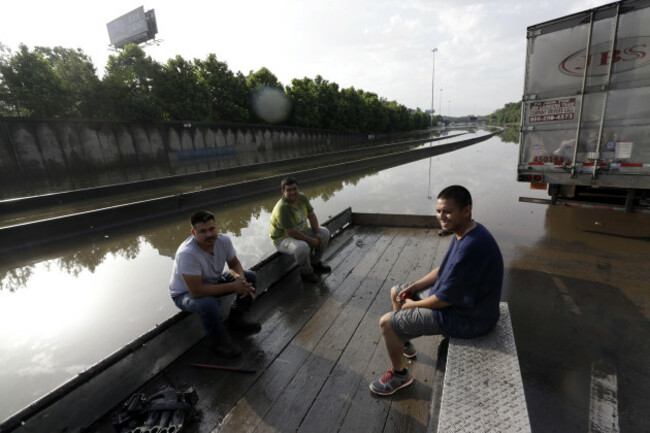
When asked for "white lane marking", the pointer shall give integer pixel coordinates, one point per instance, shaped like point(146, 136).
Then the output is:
point(567, 297)
point(603, 401)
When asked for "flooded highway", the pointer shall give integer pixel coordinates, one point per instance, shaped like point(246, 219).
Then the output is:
point(576, 280)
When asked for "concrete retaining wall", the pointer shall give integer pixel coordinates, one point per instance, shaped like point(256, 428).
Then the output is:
point(34, 150)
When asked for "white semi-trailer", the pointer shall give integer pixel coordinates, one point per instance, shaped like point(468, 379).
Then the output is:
point(588, 82)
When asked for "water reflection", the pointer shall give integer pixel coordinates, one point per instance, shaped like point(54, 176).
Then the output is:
point(510, 135)
point(165, 238)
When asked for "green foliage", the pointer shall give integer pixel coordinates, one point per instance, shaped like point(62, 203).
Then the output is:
point(262, 77)
point(78, 77)
point(7, 107)
point(510, 113)
point(510, 135)
point(129, 89)
point(181, 92)
point(228, 95)
point(62, 82)
point(35, 88)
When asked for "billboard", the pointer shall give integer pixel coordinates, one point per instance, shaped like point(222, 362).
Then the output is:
point(135, 27)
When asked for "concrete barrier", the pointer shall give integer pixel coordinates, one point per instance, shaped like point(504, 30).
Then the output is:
point(43, 150)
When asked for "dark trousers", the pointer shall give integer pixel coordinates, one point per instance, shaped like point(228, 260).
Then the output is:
point(209, 307)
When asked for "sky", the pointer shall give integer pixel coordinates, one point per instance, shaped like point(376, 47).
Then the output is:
point(380, 46)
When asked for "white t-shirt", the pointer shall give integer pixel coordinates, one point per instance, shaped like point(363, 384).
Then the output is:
point(190, 259)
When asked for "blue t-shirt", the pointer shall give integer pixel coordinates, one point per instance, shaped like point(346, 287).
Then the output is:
point(470, 279)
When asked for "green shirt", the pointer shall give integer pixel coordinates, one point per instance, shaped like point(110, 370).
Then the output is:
point(286, 217)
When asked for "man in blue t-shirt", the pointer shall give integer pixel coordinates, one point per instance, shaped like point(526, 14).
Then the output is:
point(460, 298)
point(198, 279)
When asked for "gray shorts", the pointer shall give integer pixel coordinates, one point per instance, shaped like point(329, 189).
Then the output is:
point(414, 322)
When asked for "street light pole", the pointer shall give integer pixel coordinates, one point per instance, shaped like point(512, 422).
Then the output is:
point(433, 72)
point(440, 103)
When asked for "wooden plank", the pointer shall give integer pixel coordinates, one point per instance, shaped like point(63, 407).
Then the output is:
point(291, 406)
point(395, 220)
point(410, 412)
point(334, 401)
point(367, 412)
point(256, 401)
point(432, 250)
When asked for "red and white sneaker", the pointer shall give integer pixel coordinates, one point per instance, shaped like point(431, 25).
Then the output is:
point(391, 382)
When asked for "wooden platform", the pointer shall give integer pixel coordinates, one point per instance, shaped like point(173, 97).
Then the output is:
point(320, 347)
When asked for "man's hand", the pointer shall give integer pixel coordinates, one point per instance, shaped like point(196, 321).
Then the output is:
point(401, 297)
point(243, 288)
point(317, 241)
point(409, 303)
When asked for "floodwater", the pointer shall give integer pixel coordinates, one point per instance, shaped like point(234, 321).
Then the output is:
point(576, 282)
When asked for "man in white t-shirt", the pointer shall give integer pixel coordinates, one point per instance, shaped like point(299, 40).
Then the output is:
point(198, 279)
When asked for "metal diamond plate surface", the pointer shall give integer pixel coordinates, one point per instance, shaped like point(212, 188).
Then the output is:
point(482, 389)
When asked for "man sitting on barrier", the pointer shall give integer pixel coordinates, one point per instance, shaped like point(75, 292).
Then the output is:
point(460, 298)
point(291, 235)
point(198, 280)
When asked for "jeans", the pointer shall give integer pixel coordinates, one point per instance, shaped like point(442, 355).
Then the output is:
point(302, 251)
point(209, 307)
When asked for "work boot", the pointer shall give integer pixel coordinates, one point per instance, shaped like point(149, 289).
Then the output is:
point(237, 321)
point(225, 346)
point(321, 268)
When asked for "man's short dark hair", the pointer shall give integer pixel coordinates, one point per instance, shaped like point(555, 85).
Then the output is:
point(459, 194)
point(201, 217)
point(288, 181)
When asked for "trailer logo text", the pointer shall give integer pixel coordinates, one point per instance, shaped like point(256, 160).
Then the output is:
point(630, 53)
point(553, 110)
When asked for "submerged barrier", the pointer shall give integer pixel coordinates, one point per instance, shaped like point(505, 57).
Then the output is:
point(53, 229)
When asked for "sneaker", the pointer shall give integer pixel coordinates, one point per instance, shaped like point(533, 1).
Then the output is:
point(409, 350)
point(321, 268)
point(391, 382)
point(237, 321)
point(225, 346)
point(312, 278)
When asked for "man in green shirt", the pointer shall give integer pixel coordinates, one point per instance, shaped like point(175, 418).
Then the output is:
point(295, 231)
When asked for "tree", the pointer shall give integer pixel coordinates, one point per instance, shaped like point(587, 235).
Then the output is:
point(31, 85)
point(228, 95)
point(510, 113)
point(304, 96)
point(79, 80)
point(129, 85)
point(181, 92)
point(355, 118)
point(7, 105)
point(261, 78)
point(377, 116)
point(329, 104)
point(398, 116)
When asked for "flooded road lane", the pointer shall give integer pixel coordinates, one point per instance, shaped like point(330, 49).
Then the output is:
point(576, 281)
